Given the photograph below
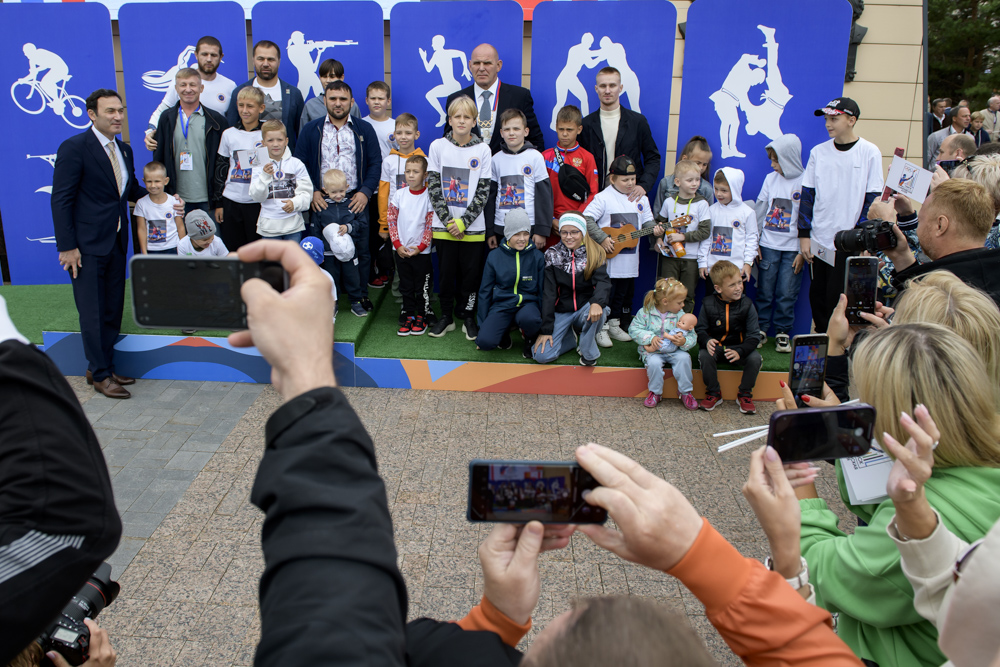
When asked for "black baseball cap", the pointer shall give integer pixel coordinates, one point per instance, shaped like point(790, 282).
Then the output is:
point(841, 105)
point(623, 166)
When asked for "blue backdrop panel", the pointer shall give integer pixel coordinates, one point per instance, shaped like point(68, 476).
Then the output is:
point(755, 77)
point(582, 37)
point(150, 64)
point(48, 79)
point(431, 45)
point(310, 32)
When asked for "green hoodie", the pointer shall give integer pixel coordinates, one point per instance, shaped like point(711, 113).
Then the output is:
point(860, 576)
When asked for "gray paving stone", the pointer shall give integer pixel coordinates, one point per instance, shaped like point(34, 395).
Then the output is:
point(123, 555)
point(117, 455)
point(188, 461)
point(140, 524)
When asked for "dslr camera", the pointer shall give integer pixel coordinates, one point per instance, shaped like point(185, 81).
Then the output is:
point(875, 236)
point(67, 634)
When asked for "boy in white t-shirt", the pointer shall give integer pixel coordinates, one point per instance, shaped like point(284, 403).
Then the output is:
point(520, 180)
point(200, 239)
point(282, 186)
point(156, 226)
point(733, 235)
point(689, 210)
point(410, 223)
point(458, 181)
point(842, 178)
point(611, 207)
point(780, 266)
point(378, 97)
point(240, 145)
point(393, 178)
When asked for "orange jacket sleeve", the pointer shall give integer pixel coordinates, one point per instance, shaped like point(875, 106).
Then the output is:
point(383, 206)
point(764, 621)
point(484, 616)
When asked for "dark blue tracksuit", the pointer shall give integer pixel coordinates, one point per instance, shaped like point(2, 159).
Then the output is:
point(347, 275)
point(510, 292)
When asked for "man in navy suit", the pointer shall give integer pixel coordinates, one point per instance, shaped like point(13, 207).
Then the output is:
point(282, 100)
point(492, 99)
point(93, 182)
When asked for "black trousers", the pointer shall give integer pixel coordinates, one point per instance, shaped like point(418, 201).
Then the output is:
point(415, 283)
point(622, 292)
point(381, 249)
point(239, 222)
point(710, 371)
point(825, 290)
point(460, 270)
point(54, 491)
point(99, 292)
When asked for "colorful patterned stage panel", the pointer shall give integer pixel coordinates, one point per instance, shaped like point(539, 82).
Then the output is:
point(197, 358)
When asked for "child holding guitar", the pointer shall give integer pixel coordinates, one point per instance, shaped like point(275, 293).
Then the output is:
point(688, 215)
point(617, 223)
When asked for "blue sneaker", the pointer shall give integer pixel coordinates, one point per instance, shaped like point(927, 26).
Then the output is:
point(359, 310)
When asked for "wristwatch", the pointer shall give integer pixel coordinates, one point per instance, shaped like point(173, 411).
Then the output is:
point(798, 581)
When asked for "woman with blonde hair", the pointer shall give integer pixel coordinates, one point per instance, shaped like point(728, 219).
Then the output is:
point(575, 294)
point(931, 372)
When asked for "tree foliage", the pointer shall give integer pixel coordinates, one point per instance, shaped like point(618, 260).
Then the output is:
point(964, 49)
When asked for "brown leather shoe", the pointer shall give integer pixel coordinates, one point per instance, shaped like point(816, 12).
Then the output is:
point(111, 389)
point(120, 379)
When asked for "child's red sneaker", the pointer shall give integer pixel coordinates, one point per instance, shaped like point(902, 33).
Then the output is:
point(746, 404)
point(709, 402)
point(406, 328)
point(417, 325)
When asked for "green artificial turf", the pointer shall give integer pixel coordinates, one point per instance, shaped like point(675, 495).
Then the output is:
point(38, 308)
point(381, 341)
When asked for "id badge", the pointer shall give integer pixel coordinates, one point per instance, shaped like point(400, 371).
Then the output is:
point(187, 164)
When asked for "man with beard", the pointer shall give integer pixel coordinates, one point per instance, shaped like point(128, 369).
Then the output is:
point(341, 141)
point(216, 93)
point(187, 143)
point(282, 100)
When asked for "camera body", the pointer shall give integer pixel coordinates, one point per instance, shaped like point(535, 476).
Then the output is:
point(875, 236)
point(68, 635)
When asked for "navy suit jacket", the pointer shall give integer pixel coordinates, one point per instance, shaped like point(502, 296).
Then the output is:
point(86, 206)
point(291, 110)
point(511, 97)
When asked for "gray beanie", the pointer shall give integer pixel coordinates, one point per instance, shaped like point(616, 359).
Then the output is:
point(198, 225)
point(515, 221)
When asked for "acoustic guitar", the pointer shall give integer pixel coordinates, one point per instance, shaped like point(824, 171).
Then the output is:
point(626, 236)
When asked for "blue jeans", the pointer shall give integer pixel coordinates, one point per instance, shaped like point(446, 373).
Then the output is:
point(294, 236)
point(562, 339)
point(776, 280)
point(677, 360)
point(168, 251)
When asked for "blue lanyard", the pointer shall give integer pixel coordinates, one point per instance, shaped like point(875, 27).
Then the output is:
point(185, 121)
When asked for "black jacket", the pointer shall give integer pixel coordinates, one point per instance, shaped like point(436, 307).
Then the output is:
point(634, 140)
point(733, 324)
point(86, 204)
point(215, 125)
point(566, 290)
point(54, 485)
point(979, 267)
point(510, 97)
point(331, 593)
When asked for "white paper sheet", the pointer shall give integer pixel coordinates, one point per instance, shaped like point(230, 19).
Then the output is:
point(866, 477)
point(908, 179)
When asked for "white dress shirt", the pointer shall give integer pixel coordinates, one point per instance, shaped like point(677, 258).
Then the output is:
point(118, 152)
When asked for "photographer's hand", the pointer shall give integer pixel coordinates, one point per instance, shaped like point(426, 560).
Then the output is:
point(901, 255)
point(509, 558)
point(773, 501)
point(656, 523)
point(882, 210)
point(294, 329)
point(102, 654)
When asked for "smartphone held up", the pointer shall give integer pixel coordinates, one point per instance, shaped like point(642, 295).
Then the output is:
point(523, 491)
point(173, 292)
point(817, 434)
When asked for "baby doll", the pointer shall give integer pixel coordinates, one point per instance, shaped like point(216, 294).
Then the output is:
point(685, 325)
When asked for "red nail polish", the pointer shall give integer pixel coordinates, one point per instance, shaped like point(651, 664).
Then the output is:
point(806, 399)
point(781, 383)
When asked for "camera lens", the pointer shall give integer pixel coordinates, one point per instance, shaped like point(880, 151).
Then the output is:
point(850, 241)
point(96, 594)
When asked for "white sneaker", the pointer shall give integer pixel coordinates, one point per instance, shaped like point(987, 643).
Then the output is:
point(603, 339)
point(783, 343)
point(616, 332)
point(762, 341)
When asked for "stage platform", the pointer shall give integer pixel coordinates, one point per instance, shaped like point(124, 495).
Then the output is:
point(367, 353)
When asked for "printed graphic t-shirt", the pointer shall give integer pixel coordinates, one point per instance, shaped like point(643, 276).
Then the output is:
point(779, 230)
point(611, 208)
point(240, 147)
point(161, 227)
point(460, 167)
point(516, 176)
